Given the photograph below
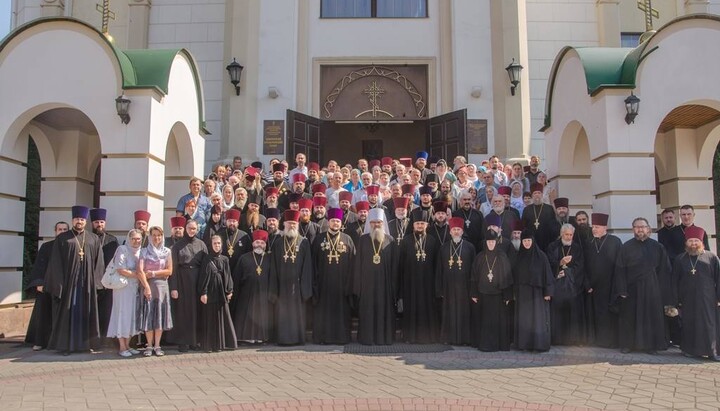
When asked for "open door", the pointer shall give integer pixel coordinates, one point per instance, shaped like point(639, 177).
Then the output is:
point(303, 136)
point(446, 137)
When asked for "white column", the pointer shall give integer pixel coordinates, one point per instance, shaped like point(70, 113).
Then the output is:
point(52, 8)
point(696, 6)
point(138, 21)
point(608, 12)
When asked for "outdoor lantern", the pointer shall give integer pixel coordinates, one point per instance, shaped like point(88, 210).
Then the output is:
point(632, 104)
point(235, 70)
point(122, 104)
point(513, 70)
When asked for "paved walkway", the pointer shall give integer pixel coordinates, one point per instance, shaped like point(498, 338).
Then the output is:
point(323, 378)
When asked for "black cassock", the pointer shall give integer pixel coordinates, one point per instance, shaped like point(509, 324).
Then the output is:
point(473, 228)
point(642, 274)
point(187, 256)
point(416, 289)
point(252, 313)
point(452, 283)
point(375, 288)
point(355, 230)
point(533, 280)
point(72, 281)
point(440, 232)
point(290, 287)
point(399, 229)
point(507, 220)
point(547, 225)
point(421, 214)
point(698, 295)
point(333, 256)
point(40, 325)
point(491, 283)
point(676, 241)
point(216, 326)
point(309, 230)
point(568, 304)
point(236, 240)
point(109, 245)
point(600, 258)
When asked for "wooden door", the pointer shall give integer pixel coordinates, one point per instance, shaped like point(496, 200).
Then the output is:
point(446, 136)
point(303, 136)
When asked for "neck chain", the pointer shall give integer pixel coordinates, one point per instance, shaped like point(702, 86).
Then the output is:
point(333, 247)
point(231, 243)
point(467, 218)
point(307, 228)
point(291, 248)
point(456, 251)
point(692, 266)
point(537, 215)
point(376, 252)
point(81, 252)
point(401, 227)
point(601, 243)
point(258, 265)
point(270, 246)
point(444, 237)
point(420, 242)
point(562, 248)
point(490, 267)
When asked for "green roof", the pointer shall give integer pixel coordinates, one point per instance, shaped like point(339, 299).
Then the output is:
point(140, 69)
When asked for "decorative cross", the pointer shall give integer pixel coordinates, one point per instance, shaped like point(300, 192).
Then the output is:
point(107, 14)
point(646, 7)
point(373, 91)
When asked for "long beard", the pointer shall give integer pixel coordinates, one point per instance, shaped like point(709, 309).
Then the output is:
point(272, 204)
point(566, 243)
point(499, 209)
point(293, 233)
point(253, 219)
point(304, 218)
point(377, 234)
point(240, 204)
point(456, 238)
point(258, 250)
point(516, 244)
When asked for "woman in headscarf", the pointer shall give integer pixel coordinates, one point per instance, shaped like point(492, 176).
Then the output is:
point(534, 287)
point(216, 289)
point(228, 197)
point(187, 255)
point(516, 196)
point(123, 319)
point(486, 207)
point(215, 223)
point(154, 269)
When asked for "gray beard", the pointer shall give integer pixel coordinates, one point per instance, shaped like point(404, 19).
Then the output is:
point(258, 250)
point(566, 243)
point(516, 244)
point(292, 233)
point(499, 210)
point(377, 234)
point(456, 238)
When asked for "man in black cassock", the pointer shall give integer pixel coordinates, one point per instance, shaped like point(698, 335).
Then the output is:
point(416, 292)
point(177, 231)
point(664, 233)
point(568, 304)
point(472, 220)
point(539, 218)
point(40, 325)
point(600, 257)
point(109, 245)
point(333, 255)
point(291, 274)
point(251, 315)
point(307, 228)
point(696, 279)
point(452, 269)
point(491, 290)
point(356, 228)
point(345, 201)
point(72, 278)
point(236, 242)
point(677, 234)
point(439, 228)
point(400, 225)
point(375, 277)
point(425, 211)
point(502, 219)
point(319, 214)
point(641, 290)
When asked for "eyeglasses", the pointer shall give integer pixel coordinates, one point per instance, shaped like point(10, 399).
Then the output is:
point(640, 226)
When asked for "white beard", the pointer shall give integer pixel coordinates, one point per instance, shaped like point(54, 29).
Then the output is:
point(566, 243)
point(516, 244)
point(258, 250)
point(377, 234)
point(457, 238)
point(499, 209)
point(292, 233)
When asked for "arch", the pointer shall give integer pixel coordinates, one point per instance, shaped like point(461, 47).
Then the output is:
point(574, 144)
point(179, 168)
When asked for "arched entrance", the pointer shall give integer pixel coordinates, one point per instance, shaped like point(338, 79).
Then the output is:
point(574, 168)
point(178, 169)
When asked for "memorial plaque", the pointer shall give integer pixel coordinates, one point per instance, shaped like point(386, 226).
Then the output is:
point(273, 137)
point(477, 142)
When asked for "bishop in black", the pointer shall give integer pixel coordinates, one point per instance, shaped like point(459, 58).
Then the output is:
point(252, 316)
point(333, 255)
point(696, 276)
point(540, 219)
point(72, 279)
point(641, 285)
point(421, 315)
point(491, 290)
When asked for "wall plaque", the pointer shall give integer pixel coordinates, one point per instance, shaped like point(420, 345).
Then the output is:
point(477, 139)
point(273, 137)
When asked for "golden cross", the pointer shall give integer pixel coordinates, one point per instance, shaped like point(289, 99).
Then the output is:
point(646, 7)
point(374, 92)
point(107, 14)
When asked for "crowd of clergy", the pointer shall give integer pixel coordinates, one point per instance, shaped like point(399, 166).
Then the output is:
point(411, 250)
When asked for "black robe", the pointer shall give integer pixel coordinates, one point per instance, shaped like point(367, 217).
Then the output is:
point(322, 225)
point(507, 221)
point(421, 214)
point(533, 280)
point(211, 229)
point(452, 284)
point(290, 288)
point(309, 230)
point(440, 233)
point(332, 289)
point(642, 274)
point(109, 245)
point(600, 258)
point(216, 326)
point(548, 227)
point(493, 294)
point(348, 217)
point(245, 227)
point(399, 229)
point(568, 304)
point(474, 228)
point(416, 289)
point(677, 242)
point(73, 284)
point(375, 289)
point(355, 230)
point(252, 311)
point(187, 256)
point(237, 240)
point(170, 241)
point(698, 295)
point(40, 325)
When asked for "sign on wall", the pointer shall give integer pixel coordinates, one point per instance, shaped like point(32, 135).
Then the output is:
point(273, 137)
point(477, 140)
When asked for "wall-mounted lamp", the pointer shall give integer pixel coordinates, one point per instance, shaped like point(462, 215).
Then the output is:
point(273, 92)
point(632, 105)
point(122, 104)
point(476, 92)
point(235, 71)
point(513, 70)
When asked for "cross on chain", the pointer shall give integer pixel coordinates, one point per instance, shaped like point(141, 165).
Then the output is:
point(646, 7)
point(107, 14)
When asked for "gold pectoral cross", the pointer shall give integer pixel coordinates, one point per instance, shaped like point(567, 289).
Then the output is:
point(81, 253)
point(450, 263)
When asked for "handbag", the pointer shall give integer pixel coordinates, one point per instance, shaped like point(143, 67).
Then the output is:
point(112, 279)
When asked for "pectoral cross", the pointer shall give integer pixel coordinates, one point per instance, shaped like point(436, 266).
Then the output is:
point(107, 14)
point(646, 7)
point(537, 224)
point(693, 271)
point(333, 254)
point(490, 276)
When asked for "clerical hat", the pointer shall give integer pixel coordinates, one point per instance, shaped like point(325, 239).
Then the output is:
point(493, 219)
point(694, 232)
point(374, 163)
point(345, 196)
point(142, 215)
point(177, 222)
point(527, 233)
point(272, 213)
point(421, 154)
point(600, 219)
point(257, 164)
point(291, 215)
point(232, 214)
point(319, 201)
point(313, 166)
point(440, 206)
point(561, 202)
point(362, 205)
point(336, 213)
point(386, 161)
point(517, 225)
point(319, 188)
point(372, 190)
point(260, 235)
point(456, 222)
point(98, 214)
point(294, 197)
point(271, 191)
point(79, 211)
point(278, 167)
point(432, 178)
point(425, 190)
point(536, 187)
point(305, 203)
point(408, 189)
point(401, 202)
point(491, 235)
point(406, 161)
point(504, 190)
point(298, 177)
point(251, 173)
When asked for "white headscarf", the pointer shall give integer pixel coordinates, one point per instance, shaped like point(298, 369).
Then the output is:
point(376, 214)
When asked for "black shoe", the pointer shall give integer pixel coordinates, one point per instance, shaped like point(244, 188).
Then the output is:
point(688, 355)
point(65, 353)
point(651, 352)
point(195, 347)
point(625, 351)
point(183, 348)
point(714, 358)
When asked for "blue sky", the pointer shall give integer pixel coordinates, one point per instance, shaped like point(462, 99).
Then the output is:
point(4, 17)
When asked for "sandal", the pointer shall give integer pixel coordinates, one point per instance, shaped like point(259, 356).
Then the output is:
point(159, 352)
point(148, 352)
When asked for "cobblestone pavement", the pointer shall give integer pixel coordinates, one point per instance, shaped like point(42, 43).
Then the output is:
point(324, 378)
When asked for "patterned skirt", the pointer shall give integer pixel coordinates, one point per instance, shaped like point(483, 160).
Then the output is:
point(155, 314)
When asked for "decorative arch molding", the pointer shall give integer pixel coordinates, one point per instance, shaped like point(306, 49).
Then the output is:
point(375, 71)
